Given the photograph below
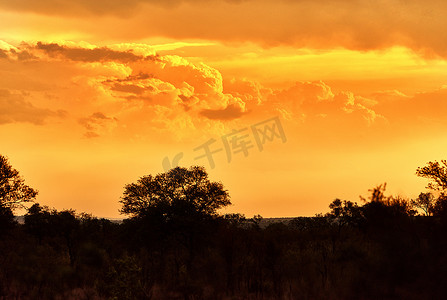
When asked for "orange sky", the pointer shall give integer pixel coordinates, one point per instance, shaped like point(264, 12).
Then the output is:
point(95, 94)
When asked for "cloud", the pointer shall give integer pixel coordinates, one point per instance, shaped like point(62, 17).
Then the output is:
point(129, 88)
point(421, 107)
point(171, 95)
point(15, 109)
point(88, 55)
point(72, 7)
point(356, 25)
point(3, 54)
point(133, 87)
point(231, 112)
point(252, 93)
point(315, 101)
point(97, 124)
point(84, 7)
point(17, 54)
point(25, 56)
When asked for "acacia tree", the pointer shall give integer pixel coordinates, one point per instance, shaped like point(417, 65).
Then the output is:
point(436, 172)
point(180, 191)
point(174, 212)
point(13, 190)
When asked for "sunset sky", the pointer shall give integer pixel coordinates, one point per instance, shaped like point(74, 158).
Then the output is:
point(95, 94)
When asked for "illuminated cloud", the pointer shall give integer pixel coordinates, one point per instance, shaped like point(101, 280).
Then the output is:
point(168, 94)
point(252, 93)
point(307, 101)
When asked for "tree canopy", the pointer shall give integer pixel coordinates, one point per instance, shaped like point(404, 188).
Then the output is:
point(13, 190)
point(178, 191)
point(436, 172)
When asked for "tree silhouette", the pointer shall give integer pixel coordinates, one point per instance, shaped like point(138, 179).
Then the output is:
point(436, 172)
point(38, 221)
point(6, 219)
point(180, 191)
point(425, 202)
point(377, 194)
point(13, 191)
point(345, 212)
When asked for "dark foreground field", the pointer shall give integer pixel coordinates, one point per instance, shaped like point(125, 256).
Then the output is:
point(376, 251)
point(175, 245)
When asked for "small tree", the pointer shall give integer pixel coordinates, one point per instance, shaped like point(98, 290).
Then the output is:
point(180, 191)
point(377, 194)
point(175, 212)
point(13, 191)
point(345, 212)
point(425, 202)
point(381, 207)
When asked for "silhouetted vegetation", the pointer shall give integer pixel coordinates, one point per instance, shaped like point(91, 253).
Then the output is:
point(13, 191)
point(175, 245)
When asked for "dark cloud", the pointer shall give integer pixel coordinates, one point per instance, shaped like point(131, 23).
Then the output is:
point(133, 97)
point(231, 112)
point(52, 7)
point(25, 55)
point(130, 88)
point(90, 134)
point(131, 78)
point(133, 84)
point(14, 108)
point(356, 25)
point(188, 102)
point(22, 55)
point(88, 55)
point(97, 124)
point(84, 7)
point(119, 7)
